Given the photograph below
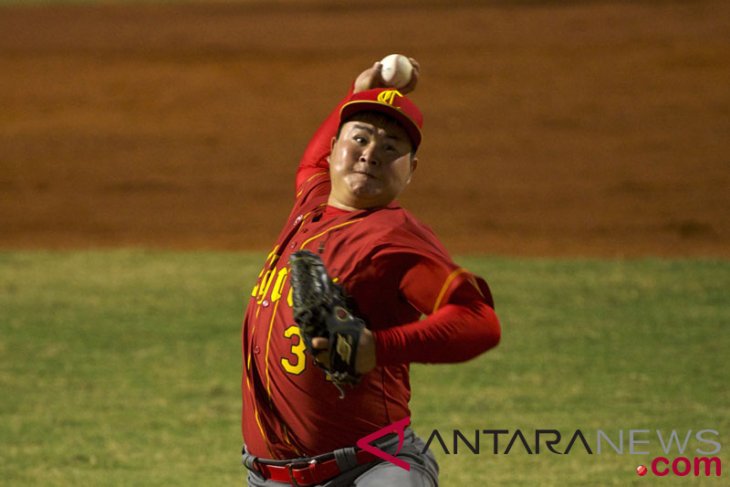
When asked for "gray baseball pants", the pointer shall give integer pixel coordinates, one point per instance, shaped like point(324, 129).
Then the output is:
point(423, 473)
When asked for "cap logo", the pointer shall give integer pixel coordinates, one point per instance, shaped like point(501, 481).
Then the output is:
point(389, 97)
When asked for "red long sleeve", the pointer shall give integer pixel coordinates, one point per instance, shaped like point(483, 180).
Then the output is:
point(454, 333)
point(314, 159)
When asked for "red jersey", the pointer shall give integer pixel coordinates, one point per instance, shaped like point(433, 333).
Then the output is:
point(396, 270)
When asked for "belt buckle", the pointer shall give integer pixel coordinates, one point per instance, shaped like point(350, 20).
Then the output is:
point(290, 469)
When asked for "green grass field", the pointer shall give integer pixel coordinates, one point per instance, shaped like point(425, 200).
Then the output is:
point(122, 367)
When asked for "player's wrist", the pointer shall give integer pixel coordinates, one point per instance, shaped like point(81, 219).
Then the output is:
point(389, 346)
point(366, 352)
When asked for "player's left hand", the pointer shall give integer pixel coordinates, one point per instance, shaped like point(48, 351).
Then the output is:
point(365, 360)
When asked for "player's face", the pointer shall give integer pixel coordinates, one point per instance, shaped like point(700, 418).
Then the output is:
point(370, 164)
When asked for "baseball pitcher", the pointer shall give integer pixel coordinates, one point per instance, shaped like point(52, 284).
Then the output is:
point(353, 291)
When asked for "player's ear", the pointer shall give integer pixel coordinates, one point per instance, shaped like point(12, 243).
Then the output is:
point(332, 147)
point(414, 165)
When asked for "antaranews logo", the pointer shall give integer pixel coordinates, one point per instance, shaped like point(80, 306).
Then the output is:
point(673, 444)
point(703, 443)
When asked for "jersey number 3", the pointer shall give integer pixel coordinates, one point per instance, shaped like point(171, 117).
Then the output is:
point(298, 347)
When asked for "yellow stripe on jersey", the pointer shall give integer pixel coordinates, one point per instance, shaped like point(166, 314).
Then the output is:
point(261, 428)
point(268, 346)
point(446, 285)
point(248, 357)
point(304, 244)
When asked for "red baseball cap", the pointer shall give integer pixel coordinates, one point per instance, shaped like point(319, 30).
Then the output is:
point(390, 102)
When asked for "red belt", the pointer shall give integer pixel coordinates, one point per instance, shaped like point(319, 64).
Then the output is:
point(312, 472)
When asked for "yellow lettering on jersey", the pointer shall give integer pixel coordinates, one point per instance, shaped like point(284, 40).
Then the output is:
point(279, 285)
point(270, 260)
point(297, 349)
point(255, 289)
point(272, 280)
point(266, 284)
point(389, 97)
point(272, 257)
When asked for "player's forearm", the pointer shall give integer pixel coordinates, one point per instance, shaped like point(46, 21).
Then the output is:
point(315, 155)
point(455, 333)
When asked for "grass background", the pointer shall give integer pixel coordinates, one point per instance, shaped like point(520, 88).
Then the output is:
point(122, 367)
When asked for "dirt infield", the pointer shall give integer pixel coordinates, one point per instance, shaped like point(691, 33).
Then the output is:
point(570, 129)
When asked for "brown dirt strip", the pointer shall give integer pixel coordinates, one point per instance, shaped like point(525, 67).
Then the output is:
point(572, 129)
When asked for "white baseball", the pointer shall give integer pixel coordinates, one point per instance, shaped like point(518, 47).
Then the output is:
point(397, 70)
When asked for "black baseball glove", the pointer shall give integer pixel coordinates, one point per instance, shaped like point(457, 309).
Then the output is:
point(321, 309)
